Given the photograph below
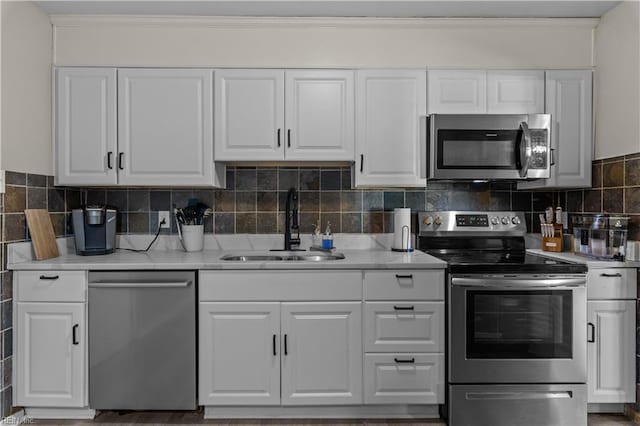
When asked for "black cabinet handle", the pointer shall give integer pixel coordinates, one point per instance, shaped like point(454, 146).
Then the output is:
point(406, 277)
point(593, 332)
point(120, 155)
point(274, 345)
point(288, 138)
point(49, 277)
point(75, 338)
point(403, 308)
point(278, 138)
point(109, 160)
point(405, 361)
point(286, 352)
point(616, 275)
point(361, 162)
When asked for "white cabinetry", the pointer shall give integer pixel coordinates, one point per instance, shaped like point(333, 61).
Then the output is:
point(569, 101)
point(51, 335)
point(298, 115)
point(611, 316)
point(486, 92)
point(390, 143)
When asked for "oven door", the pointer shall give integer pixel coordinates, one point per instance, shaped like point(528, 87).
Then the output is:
point(523, 329)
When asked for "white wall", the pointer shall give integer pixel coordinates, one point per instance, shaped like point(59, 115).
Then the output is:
point(322, 42)
point(26, 51)
point(617, 81)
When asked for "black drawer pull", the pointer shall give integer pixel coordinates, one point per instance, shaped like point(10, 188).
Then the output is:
point(616, 275)
point(75, 338)
point(361, 162)
point(49, 277)
point(405, 361)
point(274, 345)
point(120, 155)
point(278, 138)
point(403, 308)
point(288, 138)
point(407, 277)
point(286, 352)
point(109, 157)
point(592, 328)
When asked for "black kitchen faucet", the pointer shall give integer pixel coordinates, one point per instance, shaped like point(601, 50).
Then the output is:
point(291, 221)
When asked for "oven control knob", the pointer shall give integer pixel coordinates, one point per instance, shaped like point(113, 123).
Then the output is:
point(495, 220)
point(437, 221)
point(515, 220)
point(427, 220)
point(505, 220)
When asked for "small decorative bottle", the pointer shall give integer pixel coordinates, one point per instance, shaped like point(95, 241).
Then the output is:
point(316, 237)
point(327, 238)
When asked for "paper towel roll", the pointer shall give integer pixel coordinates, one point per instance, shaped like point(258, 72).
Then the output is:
point(401, 229)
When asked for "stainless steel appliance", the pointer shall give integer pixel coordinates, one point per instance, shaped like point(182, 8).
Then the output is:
point(94, 228)
point(142, 340)
point(489, 147)
point(516, 323)
point(600, 236)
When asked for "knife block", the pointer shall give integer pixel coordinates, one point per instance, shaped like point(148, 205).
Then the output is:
point(553, 243)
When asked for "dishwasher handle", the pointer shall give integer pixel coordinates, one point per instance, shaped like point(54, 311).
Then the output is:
point(139, 284)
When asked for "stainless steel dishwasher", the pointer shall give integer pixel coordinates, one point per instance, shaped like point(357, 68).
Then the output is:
point(142, 340)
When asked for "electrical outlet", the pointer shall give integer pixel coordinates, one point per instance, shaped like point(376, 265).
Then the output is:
point(166, 215)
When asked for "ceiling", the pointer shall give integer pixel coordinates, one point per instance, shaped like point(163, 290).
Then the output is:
point(337, 8)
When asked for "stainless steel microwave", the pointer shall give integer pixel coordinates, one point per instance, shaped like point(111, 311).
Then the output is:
point(489, 146)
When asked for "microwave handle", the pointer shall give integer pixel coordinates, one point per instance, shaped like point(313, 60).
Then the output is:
point(525, 149)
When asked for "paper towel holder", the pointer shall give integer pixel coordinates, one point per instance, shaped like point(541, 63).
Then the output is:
point(408, 243)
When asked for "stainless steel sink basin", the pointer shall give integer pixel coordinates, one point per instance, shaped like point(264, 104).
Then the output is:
point(283, 257)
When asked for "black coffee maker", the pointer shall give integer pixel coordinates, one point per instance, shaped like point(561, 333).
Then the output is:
point(94, 228)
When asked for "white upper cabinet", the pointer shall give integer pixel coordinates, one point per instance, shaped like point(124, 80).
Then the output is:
point(457, 92)
point(249, 115)
point(165, 127)
point(85, 126)
point(390, 139)
point(569, 101)
point(271, 115)
point(515, 92)
point(486, 92)
point(319, 115)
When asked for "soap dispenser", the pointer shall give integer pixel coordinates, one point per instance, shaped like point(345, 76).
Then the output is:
point(327, 238)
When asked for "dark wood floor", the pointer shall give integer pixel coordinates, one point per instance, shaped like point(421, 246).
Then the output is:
point(196, 418)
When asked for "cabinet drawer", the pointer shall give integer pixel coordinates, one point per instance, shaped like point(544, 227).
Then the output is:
point(50, 286)
point(418, 380)
point(404, 327)
point(612, 283)
point(404, 285)
point(279, 285)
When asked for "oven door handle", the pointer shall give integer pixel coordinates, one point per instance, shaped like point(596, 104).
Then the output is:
point(519, 283)
point(525, 150)
point(518, 395)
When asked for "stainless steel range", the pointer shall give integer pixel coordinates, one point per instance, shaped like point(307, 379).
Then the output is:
point(516, 323)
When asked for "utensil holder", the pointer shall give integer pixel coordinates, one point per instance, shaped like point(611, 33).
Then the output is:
point(554, 243)
point(193, 237)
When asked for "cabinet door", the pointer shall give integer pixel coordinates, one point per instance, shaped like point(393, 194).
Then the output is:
point(322, 353)
point(390, 139)
point(457, 92)
point(319, 115)
point(611, 355)
point(50, 355)
point(85, 126)
point(569, 101)
point(239, 356)
point(249, 115)
point(165, 127)
point(515, 92)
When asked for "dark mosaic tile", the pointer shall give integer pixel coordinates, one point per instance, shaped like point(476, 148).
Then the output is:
point(58, 222)
point(230, 178)
point(245, 201)
point(613, 174)
point(7, 285)
point(96, 196)
point(309, 179)
point(225, 201)
point(73, 199)
point(208, 225)
point(596, 175)
point(246, 223)
point(15, 227)
point(204, 196)
point(346, 178)
point(181, 197)
point(542, 200)
point(574, 201)
point(121, 223)
point(309, 201)
point(267, 201)
point(153, 224)
point(632, 172)
point(611, 159)
point(37, 180)
point(634, 233)
point(224, 223)
point(7, 321)
point(139, 200)
point(7, 399)
point(160, 200)
point(330, 201)
point(50, 181)
point(393, 199)
point(612, 200)
point(267, 179)
point(500, 201)
point(118, 199)
point(480, 200)
point(593, 201)
point(387, 222)
point(15, 178)
point(330, 180)
point(459, 200)
point(138, 223)
point(7, 342)
point(352, 222)
point(333, 219)
point(6, 372)
point(501, 186)
point(55, 200)
point(437, 200)
point(415, 200)
point(37, 198)
point(246, 179)
point(372, 222)
point(521, 201)
point(372, 201)
point(560, 200)
point(351, 201)
point(287, 178)
point(308, 221)
point(15, 199)
point(632, 200)
point(267, 223)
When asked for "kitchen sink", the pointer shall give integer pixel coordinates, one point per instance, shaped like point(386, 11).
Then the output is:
point(283, 257)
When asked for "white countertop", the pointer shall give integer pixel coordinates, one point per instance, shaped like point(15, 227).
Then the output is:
point(591, 263)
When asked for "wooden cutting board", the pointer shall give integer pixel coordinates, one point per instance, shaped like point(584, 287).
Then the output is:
point(42, 236)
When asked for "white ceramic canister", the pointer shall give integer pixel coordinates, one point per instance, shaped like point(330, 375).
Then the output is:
point(193, 237)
